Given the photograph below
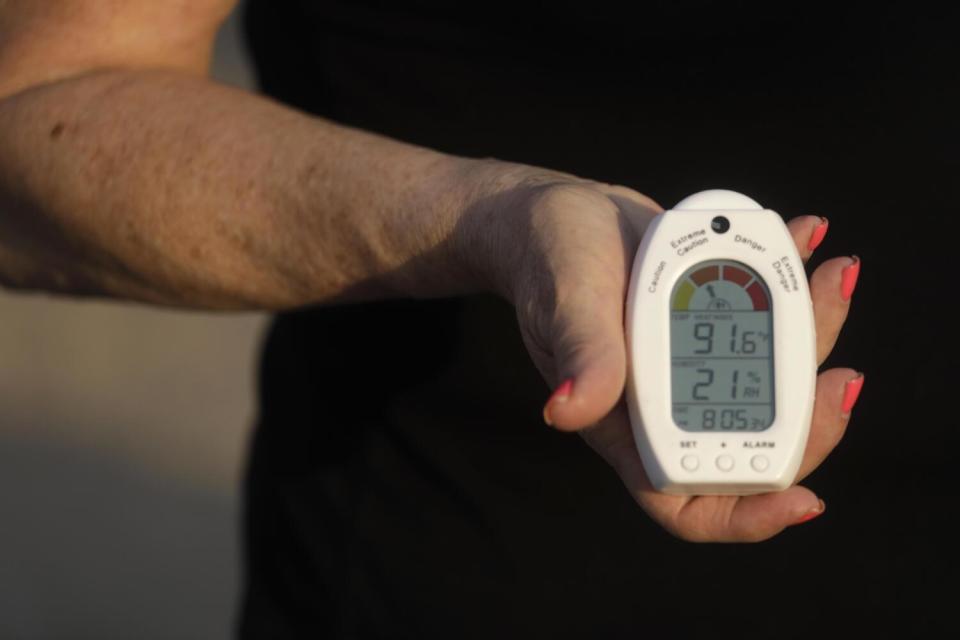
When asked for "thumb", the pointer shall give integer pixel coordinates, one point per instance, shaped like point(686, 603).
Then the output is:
point(590, 356)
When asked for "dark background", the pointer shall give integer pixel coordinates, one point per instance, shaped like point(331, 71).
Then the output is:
point(844, 110)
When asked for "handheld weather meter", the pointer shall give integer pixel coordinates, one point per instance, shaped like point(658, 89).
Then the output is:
point(721, 348)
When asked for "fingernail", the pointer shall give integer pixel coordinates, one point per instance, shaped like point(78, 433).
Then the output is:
point(850, 394)
point(560, 395)
point(813, 513)
point(848, 279)
point(819, 233)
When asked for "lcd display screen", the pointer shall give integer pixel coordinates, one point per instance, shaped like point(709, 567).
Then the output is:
point(721, 349)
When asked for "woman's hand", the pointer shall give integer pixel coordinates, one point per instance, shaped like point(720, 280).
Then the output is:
point(561, 249)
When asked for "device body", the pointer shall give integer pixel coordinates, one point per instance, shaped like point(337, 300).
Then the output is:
point(721, 349)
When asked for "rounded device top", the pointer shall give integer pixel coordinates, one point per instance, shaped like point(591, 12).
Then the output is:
point(717, 200)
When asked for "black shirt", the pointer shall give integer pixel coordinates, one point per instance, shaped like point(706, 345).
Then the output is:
point(402, 482)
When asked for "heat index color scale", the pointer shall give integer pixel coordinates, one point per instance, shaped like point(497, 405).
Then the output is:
point(720, 286)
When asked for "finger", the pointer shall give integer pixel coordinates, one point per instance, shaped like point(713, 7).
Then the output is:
point(729, 518)
point(589, 348)
point(715, 518)
point(640, 202)
point(700, 518)
point(837, 392)
point(586, 334)
point(750, 518)
point(808, 232)
point(760, 517)
point(636, 208)
point(831, 287)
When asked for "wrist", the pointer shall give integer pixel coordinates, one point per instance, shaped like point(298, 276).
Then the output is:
point(490, 238)
point(427, 227)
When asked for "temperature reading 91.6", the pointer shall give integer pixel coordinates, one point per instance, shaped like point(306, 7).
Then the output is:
point(721, 349)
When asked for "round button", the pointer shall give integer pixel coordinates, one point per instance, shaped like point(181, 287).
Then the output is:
point(720, 224)
point(690, 463)
point(760, 463)
point(725, 463)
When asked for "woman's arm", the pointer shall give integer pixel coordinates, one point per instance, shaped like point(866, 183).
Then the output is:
point(125, 173)
point(165, 187)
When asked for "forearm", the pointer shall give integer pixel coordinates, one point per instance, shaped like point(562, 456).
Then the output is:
point(171, 189)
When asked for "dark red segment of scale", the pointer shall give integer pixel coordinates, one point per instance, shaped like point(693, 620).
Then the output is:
point(760, 301)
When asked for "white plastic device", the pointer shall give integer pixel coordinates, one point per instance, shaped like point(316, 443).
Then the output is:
point(721, 349)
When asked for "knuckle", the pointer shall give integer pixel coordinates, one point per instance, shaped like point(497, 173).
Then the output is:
point(564, 198)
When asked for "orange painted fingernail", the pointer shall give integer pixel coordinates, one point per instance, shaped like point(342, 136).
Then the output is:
point(848, 279)
point(813, 513)
point(850, 394)
point(560, 395)
point(819, 233)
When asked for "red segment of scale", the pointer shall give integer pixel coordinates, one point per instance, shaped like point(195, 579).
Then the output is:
point(705, 275)
point(739, 276)
point(760, 301)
